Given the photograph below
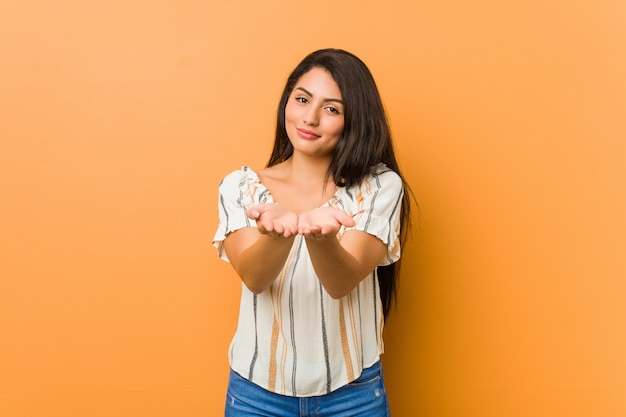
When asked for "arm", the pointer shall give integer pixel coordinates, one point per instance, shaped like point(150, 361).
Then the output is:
point(343, 261)
point(340, 263)
point(258, 254)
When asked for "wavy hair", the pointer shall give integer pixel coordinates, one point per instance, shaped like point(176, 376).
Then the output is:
point(365, 141)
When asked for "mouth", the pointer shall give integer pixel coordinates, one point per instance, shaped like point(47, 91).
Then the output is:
point(307, 134)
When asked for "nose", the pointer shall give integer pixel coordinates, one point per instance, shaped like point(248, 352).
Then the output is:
point(311, 116)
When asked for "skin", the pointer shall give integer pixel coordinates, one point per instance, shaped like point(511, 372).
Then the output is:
point(314, 123)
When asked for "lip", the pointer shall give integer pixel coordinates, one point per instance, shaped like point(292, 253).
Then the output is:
point(307, 134)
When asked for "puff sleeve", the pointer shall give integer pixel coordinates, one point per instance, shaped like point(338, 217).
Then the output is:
point(238, 191)
point(378, 200)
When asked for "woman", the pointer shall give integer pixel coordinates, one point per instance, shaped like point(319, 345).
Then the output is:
point(315, 237)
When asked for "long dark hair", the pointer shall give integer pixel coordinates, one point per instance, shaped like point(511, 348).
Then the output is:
point(365, 141)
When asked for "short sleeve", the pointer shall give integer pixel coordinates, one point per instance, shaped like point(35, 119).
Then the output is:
point(379, 202)
point(238, 191)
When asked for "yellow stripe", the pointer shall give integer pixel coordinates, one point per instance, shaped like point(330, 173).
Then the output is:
point(344, 343)
point(283, 358)
point(276, 330)
point(355, 341)
point(272, 372)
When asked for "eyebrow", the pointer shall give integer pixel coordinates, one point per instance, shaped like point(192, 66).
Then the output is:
point(325, 100)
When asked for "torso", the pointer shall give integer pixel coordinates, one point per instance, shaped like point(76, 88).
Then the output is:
point(294, 339)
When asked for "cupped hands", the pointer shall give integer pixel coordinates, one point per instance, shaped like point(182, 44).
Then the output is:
point(319, 223)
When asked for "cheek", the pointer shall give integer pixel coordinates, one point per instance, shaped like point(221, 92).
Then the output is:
point(291, 110)
point(288, 113)
point(339, 128)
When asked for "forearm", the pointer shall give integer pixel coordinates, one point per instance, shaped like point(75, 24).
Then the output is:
point(336, 268)
point(261, 260)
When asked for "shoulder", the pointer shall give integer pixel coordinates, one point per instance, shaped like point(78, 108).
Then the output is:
point(381, 184)
point(244, 188)
point(274, 173)
point(239, 177)
point(383, 177)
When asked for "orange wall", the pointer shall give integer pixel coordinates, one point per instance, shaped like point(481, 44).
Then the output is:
point(118, 119)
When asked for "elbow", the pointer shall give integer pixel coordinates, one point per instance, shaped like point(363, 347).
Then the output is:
point(338, 293)
point(249, 279)
point(255, 290)
point(339, 288)
point(255, 282)
point(254, 286)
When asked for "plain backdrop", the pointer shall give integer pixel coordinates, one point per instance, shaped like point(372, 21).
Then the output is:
point(118, 119)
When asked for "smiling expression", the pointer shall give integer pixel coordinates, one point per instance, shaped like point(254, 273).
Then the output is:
point(314, 114)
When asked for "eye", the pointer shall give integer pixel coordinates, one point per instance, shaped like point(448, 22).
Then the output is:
point(333, 110)
point(302, 100)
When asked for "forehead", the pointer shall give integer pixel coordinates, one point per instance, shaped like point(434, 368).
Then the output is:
point(319, 81)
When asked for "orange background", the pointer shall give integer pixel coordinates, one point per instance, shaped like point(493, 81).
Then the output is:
point(119, 118)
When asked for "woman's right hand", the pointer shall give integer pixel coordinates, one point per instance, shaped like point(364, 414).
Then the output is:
point(274, 220)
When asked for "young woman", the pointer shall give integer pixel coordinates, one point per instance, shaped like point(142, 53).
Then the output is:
point(315, 237)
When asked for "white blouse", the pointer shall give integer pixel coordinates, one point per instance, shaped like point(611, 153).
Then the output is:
point(293, 338)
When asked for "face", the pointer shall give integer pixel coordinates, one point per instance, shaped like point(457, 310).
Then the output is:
point(314, 114)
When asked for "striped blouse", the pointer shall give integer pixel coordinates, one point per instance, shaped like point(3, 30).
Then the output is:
point(293, 338)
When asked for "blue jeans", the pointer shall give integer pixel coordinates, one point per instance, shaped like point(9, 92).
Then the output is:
point(364, 397)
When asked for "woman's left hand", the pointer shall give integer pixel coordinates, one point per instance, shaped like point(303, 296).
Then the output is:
point(323, 222)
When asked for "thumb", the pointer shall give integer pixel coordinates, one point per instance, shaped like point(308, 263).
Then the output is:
point(255, 212)
point(344, 219)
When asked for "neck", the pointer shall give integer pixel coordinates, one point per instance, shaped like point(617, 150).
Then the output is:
point(308, 169)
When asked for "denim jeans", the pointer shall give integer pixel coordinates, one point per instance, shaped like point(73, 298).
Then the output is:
point(364, 397)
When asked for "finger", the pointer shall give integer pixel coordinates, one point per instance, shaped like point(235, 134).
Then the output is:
point(315, 231)
point(255, 212)
point(293, 230)
point(344, 219)
point(305, 231)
